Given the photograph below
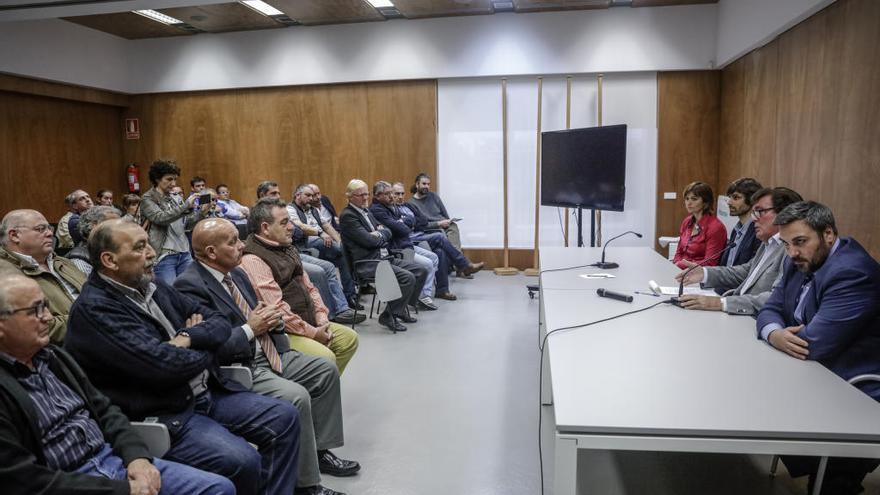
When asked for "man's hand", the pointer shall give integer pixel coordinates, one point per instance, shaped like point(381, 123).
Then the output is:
point(191, 200)
point(194, 320)
point(694, 277)
point(706, 303)
point(328, 241)
point(264, 318)
point(324, 335)
point(143, 477)
point(444, 224)
point(788, 342)
point(181, 341)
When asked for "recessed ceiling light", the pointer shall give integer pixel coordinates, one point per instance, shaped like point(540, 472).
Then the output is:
point(380, 4)
point(502, 6)
point(262, 7)
point(158, 17)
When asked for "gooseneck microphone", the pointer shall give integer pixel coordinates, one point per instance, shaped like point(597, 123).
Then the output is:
point(675, 300)
point(610, 264)
point(614, 295)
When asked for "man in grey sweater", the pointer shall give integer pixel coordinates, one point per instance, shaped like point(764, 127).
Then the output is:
point(434, 210)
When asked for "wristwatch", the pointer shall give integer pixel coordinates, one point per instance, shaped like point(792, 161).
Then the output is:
point(183, 333)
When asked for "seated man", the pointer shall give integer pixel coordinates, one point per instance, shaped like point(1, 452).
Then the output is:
point(76, 441)
point(322, 273)
point(274, 268)
point(319, 236)
point(388, 214)
point(90, 219)
point(827, 309)
point(232, 209)
point(740, 198)
point(26, 246)
point(438, 241)
point(151, 350)
point(434, 210)
point(80, 202)
point(746, 287)
point(259, 342)
point(366, 239)
point(62, 232)
point(325, 208)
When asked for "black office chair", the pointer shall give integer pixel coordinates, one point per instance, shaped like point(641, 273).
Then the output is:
point(362, 281)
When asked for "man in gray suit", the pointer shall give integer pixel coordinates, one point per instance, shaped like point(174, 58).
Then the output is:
point(746, 287)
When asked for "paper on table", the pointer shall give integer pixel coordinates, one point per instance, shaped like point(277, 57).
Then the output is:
point(694, 290)
point(600, 275)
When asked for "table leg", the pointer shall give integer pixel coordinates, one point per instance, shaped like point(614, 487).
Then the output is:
point(565, 480)
point(820, 475)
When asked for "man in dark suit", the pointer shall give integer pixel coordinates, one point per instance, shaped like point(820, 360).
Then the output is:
point(826, 308)
point(309, 383)
point(152, 350)
point(58, 434)
point(740, 200)
point(366, 239)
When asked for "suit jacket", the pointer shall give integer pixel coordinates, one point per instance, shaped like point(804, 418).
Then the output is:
point(389, 216)
point(746, 249)
point(198, 283)
point(358, 240)
point(23, 462)
point(123, 350)
point(327, 204)
point(841, 312)
point(744, 299)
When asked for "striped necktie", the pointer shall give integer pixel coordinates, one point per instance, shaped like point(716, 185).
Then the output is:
point(265, 341)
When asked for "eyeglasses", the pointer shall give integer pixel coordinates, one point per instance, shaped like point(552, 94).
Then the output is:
point(361, 195)
point(35, 310)
point(759, 212)
point(40, 229)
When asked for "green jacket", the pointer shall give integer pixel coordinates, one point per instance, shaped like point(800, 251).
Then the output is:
point(59, 301)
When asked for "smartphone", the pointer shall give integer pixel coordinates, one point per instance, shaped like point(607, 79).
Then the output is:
point(205, 199)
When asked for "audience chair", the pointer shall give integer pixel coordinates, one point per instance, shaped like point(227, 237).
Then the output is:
point(361, 281)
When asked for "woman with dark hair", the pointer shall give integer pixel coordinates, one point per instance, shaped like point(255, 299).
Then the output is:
point(702, 235)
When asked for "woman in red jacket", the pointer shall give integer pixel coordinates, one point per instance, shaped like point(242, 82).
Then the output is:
point(701, 233)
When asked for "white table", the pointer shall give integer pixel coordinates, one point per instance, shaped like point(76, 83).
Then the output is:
point(673, 380)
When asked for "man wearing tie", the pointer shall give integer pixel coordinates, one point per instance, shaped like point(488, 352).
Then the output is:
point(258, 340)
point(827, 309)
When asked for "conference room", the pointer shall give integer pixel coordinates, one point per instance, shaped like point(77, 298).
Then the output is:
point(534, 178)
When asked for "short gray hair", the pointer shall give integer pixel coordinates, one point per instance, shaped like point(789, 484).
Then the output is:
point(7, 277)
point(11, 220)
point(101, 240)
point(816, 215)
point(263, 187)
point(380, 187)
point(262, 212)
point(90, 218)
point(300, 188)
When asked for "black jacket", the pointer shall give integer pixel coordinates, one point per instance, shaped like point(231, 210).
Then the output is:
point(124, 351)
point(327, 204)
point(23, 467)
point(357, 237)
point(389, 216)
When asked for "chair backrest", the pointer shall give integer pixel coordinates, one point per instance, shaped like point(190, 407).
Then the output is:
point(238, 373)
point(387, 287)
point(154, 434)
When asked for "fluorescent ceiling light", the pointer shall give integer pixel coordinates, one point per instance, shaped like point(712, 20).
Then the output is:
point(158, 17)
point(381, 4)
point(262, 7)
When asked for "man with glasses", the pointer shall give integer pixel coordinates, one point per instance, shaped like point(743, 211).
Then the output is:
point(232, 210)
point(746, 287)
point(26, 246)
point(75, 440)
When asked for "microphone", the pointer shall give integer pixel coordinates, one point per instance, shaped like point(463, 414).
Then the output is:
point(614, 295)
point(610, 264)
point(675, 300)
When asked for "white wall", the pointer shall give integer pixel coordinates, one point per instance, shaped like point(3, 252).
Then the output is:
point(62, 51)
point(744, 25)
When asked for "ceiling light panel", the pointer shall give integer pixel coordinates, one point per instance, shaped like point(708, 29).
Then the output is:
point(381, 4)
point(262, 7)
point(158, 17)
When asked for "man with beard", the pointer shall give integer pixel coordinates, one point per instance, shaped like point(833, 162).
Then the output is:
point(430, 204)
point(827, 309)
point(739, 201)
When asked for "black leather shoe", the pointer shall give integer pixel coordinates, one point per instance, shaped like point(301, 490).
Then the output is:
point(386, 320)
point(353, 303)
point(315, 490)
point(406, 318)
point(328, 463)
point(348, 317)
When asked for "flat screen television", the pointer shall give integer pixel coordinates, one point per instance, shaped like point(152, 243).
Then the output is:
point(584, 167)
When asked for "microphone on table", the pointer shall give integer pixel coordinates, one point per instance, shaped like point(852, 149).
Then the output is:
point(610, 264)
point(675, 300)
point(614, 295)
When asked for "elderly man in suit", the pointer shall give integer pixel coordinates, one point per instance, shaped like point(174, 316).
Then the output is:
point(258, 340)
point(367, 239)
point(152, 350)
point(745, 288)
point(826, 308)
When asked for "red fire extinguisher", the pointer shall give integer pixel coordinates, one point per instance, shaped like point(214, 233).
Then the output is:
point(133, 185)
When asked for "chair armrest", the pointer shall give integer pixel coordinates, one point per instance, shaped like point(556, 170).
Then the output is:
point(864, 378)
point(154, 434)
point(238, 373)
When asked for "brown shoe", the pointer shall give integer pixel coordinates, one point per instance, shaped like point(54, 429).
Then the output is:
point(449, 296)
point(474, 268)
point(463, 274)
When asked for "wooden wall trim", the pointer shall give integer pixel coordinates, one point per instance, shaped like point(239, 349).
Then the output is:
point(494, 258)
point(25, 85)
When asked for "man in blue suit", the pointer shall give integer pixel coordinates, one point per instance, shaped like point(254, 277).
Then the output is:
point(827, 309)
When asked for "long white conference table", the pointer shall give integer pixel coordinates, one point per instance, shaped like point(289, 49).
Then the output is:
point(673, 380)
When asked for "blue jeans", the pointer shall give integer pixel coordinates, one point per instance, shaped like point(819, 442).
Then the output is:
point(336, 303)
point(176, 478)
point(216, 438)
point(333, 254)
point(429, 262)
point(172, 265)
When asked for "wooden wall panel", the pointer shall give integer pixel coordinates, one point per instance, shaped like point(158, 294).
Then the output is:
point(323, 134)
point(50, 147)
point(804, 112)
point(687, 149)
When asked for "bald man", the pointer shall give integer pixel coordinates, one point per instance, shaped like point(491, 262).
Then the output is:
point(26, 246)
point(259, 341)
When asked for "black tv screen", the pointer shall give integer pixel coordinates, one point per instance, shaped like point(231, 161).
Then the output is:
point(584, 167)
